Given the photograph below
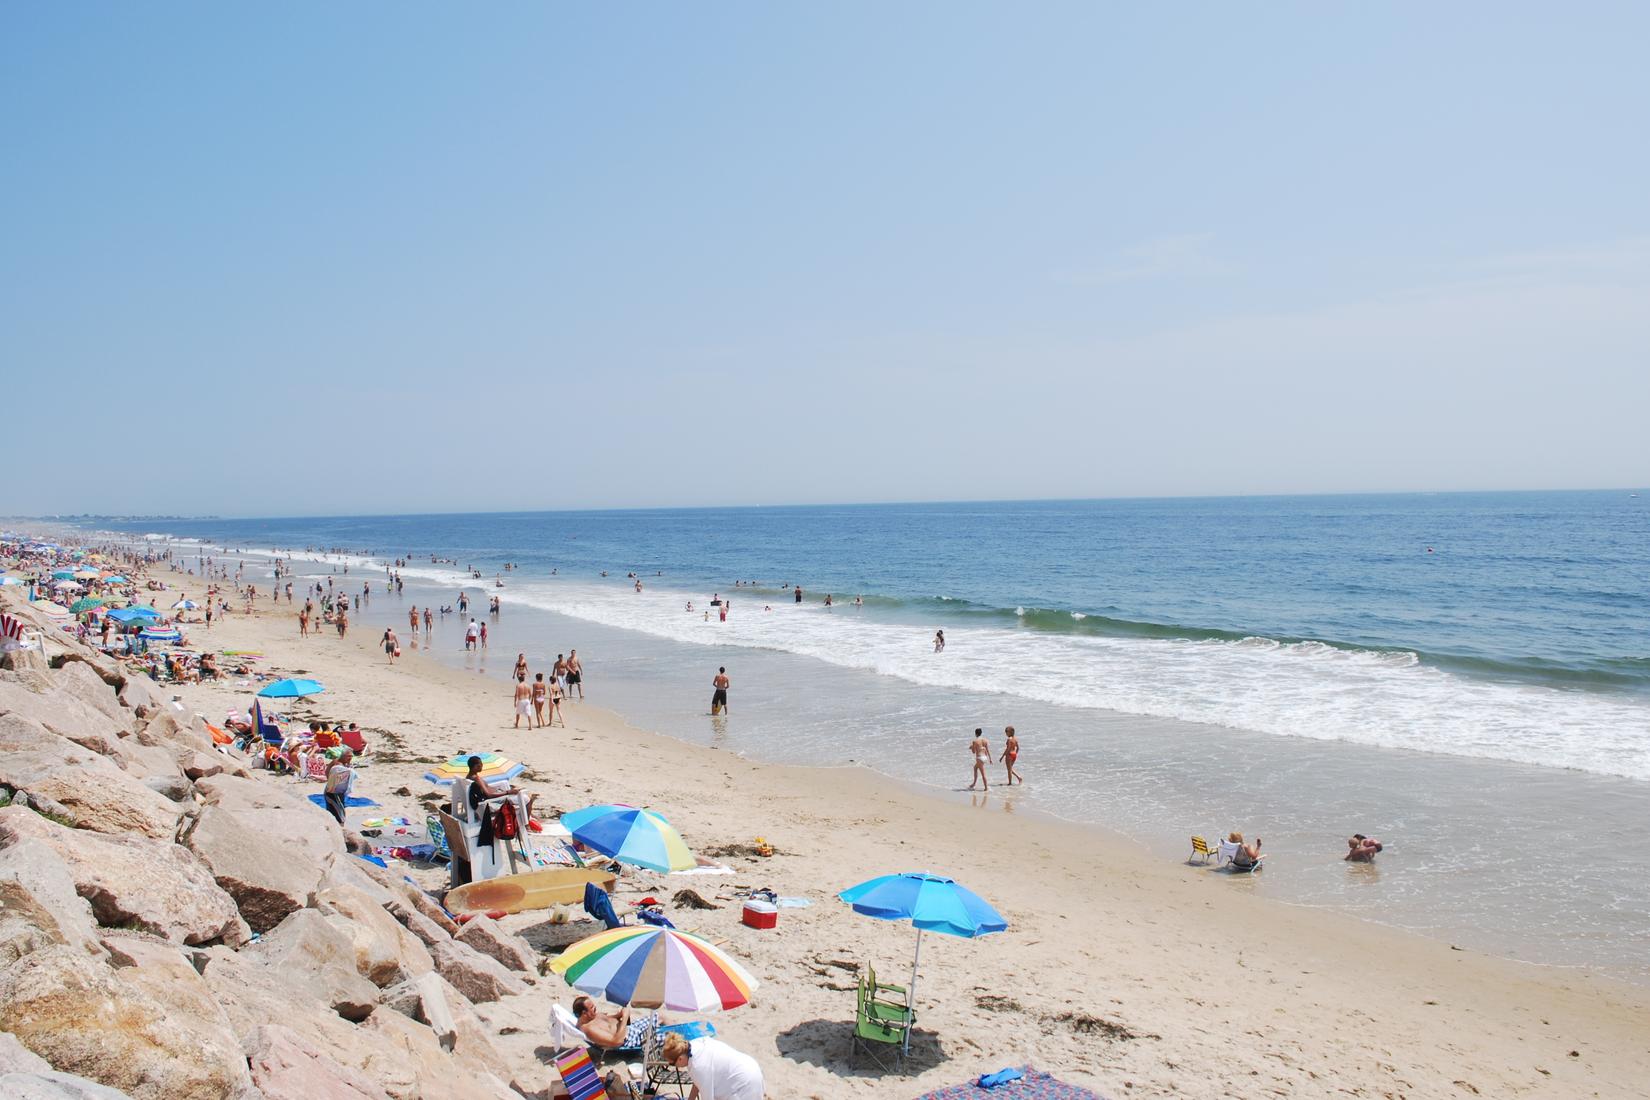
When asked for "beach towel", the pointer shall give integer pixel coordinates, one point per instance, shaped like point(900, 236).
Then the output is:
point(1032, 1085)
point(352, 802)
point(597, 904)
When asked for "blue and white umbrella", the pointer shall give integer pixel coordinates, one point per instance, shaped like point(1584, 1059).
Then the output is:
point(931, 903)
point(160, 634)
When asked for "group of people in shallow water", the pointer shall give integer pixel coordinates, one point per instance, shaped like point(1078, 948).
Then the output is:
point(980, 750)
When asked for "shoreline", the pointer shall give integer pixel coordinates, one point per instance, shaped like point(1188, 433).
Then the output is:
point(1111, 964)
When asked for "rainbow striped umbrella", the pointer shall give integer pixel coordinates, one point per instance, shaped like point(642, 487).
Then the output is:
point(648, 967)
point(630, 835)
point(494, 765)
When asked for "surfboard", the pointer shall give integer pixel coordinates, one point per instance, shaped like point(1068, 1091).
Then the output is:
point(529, 890)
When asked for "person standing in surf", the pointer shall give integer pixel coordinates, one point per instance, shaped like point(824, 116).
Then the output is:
point(1011, 753)
point(719, 694)
point(980, 749)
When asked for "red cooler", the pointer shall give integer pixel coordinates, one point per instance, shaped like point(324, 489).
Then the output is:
point(761, 914)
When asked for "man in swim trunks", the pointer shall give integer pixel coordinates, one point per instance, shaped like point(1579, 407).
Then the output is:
point(523, 702)
point(575, 675)
point(719, 697)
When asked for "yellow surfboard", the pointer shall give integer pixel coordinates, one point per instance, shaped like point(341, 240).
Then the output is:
point(529, 890)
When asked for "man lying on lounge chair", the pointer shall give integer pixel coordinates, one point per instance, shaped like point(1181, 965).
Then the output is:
point(613, 1029)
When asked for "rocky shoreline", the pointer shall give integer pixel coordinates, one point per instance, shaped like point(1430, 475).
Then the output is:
point(172, 924)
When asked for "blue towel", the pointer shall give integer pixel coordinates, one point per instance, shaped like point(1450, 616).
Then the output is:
point(596, 903)
point(374, 860)
point(654, 916)
point(1001, 1077)
point(352, 801)
point(690, 1029)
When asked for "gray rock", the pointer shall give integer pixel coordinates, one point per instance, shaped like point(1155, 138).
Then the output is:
point(134, 881)
point(473, 974)
point(385, 952)
point(511, 951)
point(153, 1033)
point(418, 924)
point(267, 878)
point(79, 679)
point(173, 788)
point(286, 1067)
point(94, 792)
point(307, 949)
point(38, 904)
point(51, 1085)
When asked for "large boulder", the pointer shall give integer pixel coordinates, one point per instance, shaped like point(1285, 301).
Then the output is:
point(308, 949)
point(418, 924)
point(142, 695)
point(286, 1067)
point(267, 878)
point(38, 904)
point(251, 994)
point(92, 790)
point(154, 1039)
point(473, 974)
point(415, 1065)
point(82, 681)
point(488, 937)
point(171, 727)
point(385, 952)
point(65, 714)
point(302, 826)
point(135, 882)
point(429, 999)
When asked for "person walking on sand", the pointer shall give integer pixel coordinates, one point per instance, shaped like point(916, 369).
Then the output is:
point(303, 622)
point(523, 702)
point(719, 696)
point(980, 749)
point(575, 675)
point(540, 694)
point(1011, 753)
point(521, 665)
point(555, 705)
point(392, 646)
point(558, 671)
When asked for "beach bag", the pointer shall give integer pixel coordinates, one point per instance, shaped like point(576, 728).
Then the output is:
point(504, 823)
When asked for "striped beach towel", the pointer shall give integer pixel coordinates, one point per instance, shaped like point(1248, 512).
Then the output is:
point(579, 1074)
point(11, 633)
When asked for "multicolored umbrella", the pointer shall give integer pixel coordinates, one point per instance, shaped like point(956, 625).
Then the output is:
point(648, 967)
point(494, 766)
point(630, 835)
point(291, 689)
point(185, 605)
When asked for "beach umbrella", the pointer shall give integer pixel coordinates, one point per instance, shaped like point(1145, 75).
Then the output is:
point(494, 766)
point(10, 580)
point(648, 967)
point(291, 689)
point(630, 835)
point(68, 586)
point(87, 574)
point(116, 579)
point(63, 575)
point(89, 603)
point(185, 605)
point(160, 634)
point(931, 903)
point(135, 615)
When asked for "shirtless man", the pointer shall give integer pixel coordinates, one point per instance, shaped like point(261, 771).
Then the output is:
point(980, 749)
point(558, 672)
point(575, 675)
point(523, 702)
point(719, 696)
point(412, 618)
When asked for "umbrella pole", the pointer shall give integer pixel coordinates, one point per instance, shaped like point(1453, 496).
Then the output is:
point(911, 995)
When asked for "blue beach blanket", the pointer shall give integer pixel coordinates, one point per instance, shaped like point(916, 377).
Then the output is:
point(352, 802)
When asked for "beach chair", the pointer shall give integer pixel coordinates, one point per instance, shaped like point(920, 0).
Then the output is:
point(265, 727)
point(883, 992)
point(660, 1075)
point(1201, 850)
point(580, 1076)
point(1225, 852)
point(884, 1042)
point(459, 869)
point(1232, 855)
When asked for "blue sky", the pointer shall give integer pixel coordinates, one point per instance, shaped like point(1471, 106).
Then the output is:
point(396, 257)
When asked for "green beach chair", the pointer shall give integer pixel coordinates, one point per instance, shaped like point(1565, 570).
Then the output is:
point(882, 1039)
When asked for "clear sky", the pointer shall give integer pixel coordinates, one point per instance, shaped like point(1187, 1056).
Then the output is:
point(381, 257)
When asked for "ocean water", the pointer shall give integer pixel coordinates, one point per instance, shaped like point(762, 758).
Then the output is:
point(1465, 675)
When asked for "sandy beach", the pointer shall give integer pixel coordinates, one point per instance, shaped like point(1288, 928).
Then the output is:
point(1132, 975)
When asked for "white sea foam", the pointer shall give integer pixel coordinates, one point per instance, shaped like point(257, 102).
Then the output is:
point(1297, 689)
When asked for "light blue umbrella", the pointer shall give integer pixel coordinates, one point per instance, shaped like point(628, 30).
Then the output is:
point(116, 579)
point(291, 689)
point(160, 634)
point(128, 615)
point(932, 904)
point(630, 835)
point(63, 575)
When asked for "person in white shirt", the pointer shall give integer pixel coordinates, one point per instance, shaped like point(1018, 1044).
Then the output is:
point(340, 781)
point(719, 1072)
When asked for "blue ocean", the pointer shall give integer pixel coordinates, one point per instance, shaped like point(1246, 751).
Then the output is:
point(1435, 669)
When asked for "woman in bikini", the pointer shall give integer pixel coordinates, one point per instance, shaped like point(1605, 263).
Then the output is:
point(1011, 753)
point(980, 748)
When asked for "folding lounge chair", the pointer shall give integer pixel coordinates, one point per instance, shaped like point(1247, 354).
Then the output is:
point(1201, 850)
point(1232, 854)
point(880, 1039)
